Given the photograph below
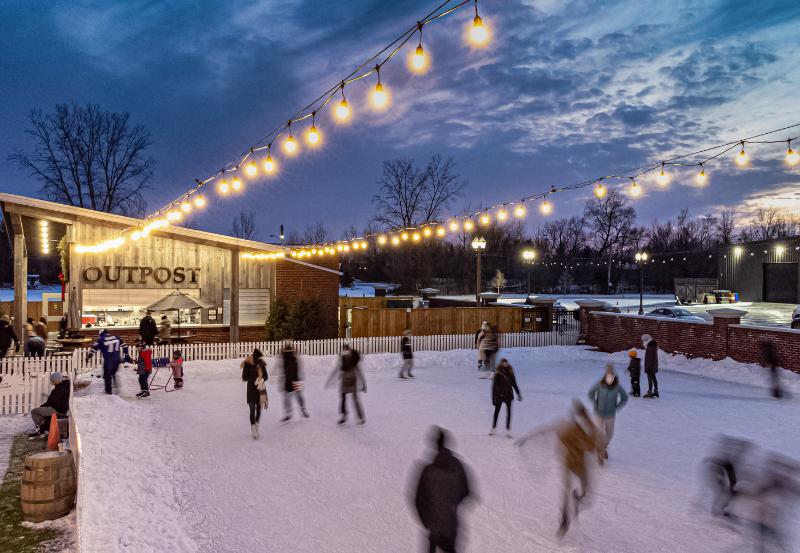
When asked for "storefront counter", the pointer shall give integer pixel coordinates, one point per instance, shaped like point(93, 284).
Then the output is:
point(203, 334)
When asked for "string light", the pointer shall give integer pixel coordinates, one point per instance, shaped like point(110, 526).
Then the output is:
point(342, 112)
point(701, 176)
point(478, 32)
point(485, 220)
point(521, 209)
point(502, 214)
point(635, 189)
point(404, 236)
point(186, 206)
point(289, 144)
point(741, 159)
point(663, 178)
point(600, 191)
point(269, 165)
point(454, 226)
point(199, 201)
point(236, 184)
point(382, 240)
point(468, 225)
point(346, 248)
point(426, 232)
point(419, 56)
point(395, 240)
point(223, 186)
point(363, 245)
point(416, 236)
point(135, 235)
point(379, 96)
point(792, 157)
point(313, 135)
point(251, 169)
point(440, 231)
point(355, 245)
point(545, 207)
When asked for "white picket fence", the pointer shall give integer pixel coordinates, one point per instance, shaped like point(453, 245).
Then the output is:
point(25, 381)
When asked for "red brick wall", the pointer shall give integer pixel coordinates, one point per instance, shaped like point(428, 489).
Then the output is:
point(744, 344)
point(203, 334)
point(295, 282)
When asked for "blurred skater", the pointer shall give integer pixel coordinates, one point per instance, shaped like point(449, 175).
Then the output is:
point(724, 472)
point(607, 397)
point(635, 370)
point(177, 368)
point(351, 377)
point(577, 437)
point(251, 368)
point(442, 486)
point(292, 383)
point(112, 349)
point(408, 356)
point(778, 488)
point(503, 386)
point(771, 362)
point(7, 336)
point(650, 365)
point(144, 367)
point(487, 348)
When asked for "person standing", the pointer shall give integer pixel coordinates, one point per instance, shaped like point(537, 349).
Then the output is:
point(635, 370)
point(441, 488)
point(177, 369)
point(27, 334)
point(478, 337)
point(112, 349)
point(408, 356)
point(40, 328)
point(650, 365)
point(503, 386)
point(144, 367)
point(771, 362)
point(148, 329)
point(7, 336)
point(250, 374)
point(165, 332)
point(608, 397)
point(351, 377)
point(292, 383)
point(62, 326)
point(578, 437)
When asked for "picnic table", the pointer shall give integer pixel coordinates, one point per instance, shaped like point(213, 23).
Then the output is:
point(69, 345)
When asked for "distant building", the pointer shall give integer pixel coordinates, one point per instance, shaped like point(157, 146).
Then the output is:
point(763, 271)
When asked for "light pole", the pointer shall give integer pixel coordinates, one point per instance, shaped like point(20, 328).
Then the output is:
point(641, 259)
point(478, 244)
point(529, 255)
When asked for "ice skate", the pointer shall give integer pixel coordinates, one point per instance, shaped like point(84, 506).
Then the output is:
point(254, 429)
point(287, 418)
point(39, 432)
point(492, 432)
point(361, 422)
point(143, 395)
point(410, 375)
point(342, 421)
point(305, 413)
point(655, 394)
point(402, 376)
point(648, 395)
point(562, 530)
point(140, 394)
point(508, 433)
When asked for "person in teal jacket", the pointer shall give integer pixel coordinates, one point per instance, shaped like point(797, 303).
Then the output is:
point(608, 397)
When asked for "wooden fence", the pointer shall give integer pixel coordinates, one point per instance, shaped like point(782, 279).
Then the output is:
point(433, 321)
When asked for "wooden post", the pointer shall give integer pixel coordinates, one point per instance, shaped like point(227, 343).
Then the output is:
point(20, 277)
point(234, 306)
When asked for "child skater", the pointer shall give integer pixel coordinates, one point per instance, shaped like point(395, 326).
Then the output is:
point(177, 369)
point(635, 370)
point(503, 387)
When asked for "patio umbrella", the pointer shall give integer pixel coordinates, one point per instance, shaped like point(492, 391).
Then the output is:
point(176, 301)
point(74, 314)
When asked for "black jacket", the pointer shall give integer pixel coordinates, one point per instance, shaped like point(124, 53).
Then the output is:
point(635, 368)
point(291, 372)
point(59, 398)
point(442, 486)
point(148, 330)
point(405, 347)
point(7, 335)
point(250, 368)
point(503, 385)
point(351, 374)
point(651, 357)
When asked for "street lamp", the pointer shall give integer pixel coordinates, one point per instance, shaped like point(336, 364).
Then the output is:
point(478, 244)
point(529, 255)
point(641, 259)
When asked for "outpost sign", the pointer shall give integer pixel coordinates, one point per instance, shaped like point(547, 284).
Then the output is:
point(159, 274)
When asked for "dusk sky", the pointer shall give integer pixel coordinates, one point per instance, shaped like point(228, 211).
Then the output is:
point(564, 92)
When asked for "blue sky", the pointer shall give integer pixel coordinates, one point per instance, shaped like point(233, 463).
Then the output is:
point(564, 92)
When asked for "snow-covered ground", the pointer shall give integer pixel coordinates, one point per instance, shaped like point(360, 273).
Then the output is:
point(361, 289)
point(7, 294)
point(180, 471)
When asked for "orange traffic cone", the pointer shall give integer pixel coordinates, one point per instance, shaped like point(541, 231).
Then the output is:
point(617, 302)
point(55, 434)
point(629, 310)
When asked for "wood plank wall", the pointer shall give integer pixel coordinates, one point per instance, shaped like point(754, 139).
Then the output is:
point(34, 309)
point(434, 321)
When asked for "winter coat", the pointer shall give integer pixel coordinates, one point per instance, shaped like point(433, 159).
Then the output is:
point(177, 368)
point(148, 330)
point(166, 328)
point(651, 357)
point(635, 368)
point(144, 364)
point(41, 330)
point(405, 347)
point(487, 342)
point(351, 374)
point(291, 372)
point(604, 398)
point(59, 398)
point(578, 439)
point(442, 486)
point(503, 385)
point(7, 335)
point(250, 374)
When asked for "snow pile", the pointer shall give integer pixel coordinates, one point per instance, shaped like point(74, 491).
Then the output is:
point(129, 503)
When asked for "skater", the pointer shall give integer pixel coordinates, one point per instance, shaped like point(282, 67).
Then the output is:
point(250, 373)
point(57, 402)
point(261, 384)
point(292, 383)
point(40, 328)
point(351, 376)
point(503, 387)
point(7, 335)
point(165, 331)
point(36, 346)
point(778, 488)
point(112, 349)
point(635, 370)
point(487, 347)
point(651, 365)
point(177, 369)
point(144, 367)
point(408, 357)
point(148, 329)
point(442, 486)
point(771, 362)
point(722, 469)
point(478, 336)
point(608, 397)
point(577, 437)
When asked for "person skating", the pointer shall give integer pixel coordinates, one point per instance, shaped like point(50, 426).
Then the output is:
point(36, 346)
point(650, 365)
point(292, 383)
point(351, 377)
point(487, 347)
point(144, 367)
point(250, 373)
point(607, 397)
point(148, 329)
point(408, 356)
point(165, 330)
point(503, 386)
point(635, 370)
point(112, 349)
point(57, 402)
point(578, 437)
point(177, 369)
point(7, 336)
point(441, 488)
point(772, 363)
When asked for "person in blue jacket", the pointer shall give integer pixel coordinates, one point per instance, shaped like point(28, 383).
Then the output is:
point(608, 397)
point(113, 350)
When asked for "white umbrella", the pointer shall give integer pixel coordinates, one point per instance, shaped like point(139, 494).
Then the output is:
point(74, 314)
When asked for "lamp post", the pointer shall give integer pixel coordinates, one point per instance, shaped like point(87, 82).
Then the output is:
point(641, 259)
point(529, 255)
point(478, 244)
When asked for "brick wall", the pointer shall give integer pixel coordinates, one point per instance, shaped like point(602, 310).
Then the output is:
point(203, 334)
point(744, 344)
point(295, 282)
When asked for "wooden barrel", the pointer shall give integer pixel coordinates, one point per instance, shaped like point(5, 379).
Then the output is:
point(48, 485)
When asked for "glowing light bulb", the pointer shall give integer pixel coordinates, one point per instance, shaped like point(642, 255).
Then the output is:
point(269, 165)
point(339, 247)
point(379, 96)
point(135, 235)
point(405, 236)
point(440, 231)
point(546, 207)
point(186, 206)
point(468, 225)
point(355, 246)
point(251, 169)
point(382, 240)
point(290, 145)
point(600, 191)
point(635, 189)
point(453, 226)
point(363, 245)
point(395, 240)
point(223, 186)
point(520, 211)
point(342, 112)
point(416, 236)
point(701, 177)
point(347, 248)
point(663, 178)
point(419, 58)
point(485, 220)
point(44, 223)
point(313, 136)
point(502, 215)
point(199, 201)
point(741, 159)
point(478, 32)
point(237, 184)
point(792, 157)
point(427, 232)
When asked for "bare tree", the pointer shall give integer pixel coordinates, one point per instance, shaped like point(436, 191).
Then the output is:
point(610, 221)
point(726, 227)
point(563, 237)
point(442, 187)
point(244, 226)
point(317, 234)
point(498, 281)
point(89, 158)
point(293, 238)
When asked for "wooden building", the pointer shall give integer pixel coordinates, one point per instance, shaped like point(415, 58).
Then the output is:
point(113, 287)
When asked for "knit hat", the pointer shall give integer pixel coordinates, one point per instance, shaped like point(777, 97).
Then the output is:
point(610, 369)
point(646, 338)
point(56, 377)
point(632, 353)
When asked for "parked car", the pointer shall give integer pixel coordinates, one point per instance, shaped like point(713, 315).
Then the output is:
point(675, 313)
point(607, 307)
point(796, 318)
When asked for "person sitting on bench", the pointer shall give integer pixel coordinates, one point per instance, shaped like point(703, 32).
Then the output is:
point(57, 402)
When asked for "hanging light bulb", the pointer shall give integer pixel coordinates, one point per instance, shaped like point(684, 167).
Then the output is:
point(269, 165)
point(223, 186)
point(663, 178)
point(545, 207)
point(468, 225)
point(405, 236)
point(741, 159)
point(251, 169)
point(237, 184)
point(426, 232)
point(363, 245)
point(342, 112)
point(395, 240)
point(416, 236)
point(502, 214)
point(199, 201)
point(792, 157)
point(635, 189)
point(453, 226)
point(440, 231)
point(521, 209)
point(701, 176)
point(289, 144)
point(382, 240)
point(135, 235)
point(379, 96)
point(478, 31)
point(313, 135)
point(186, 206)
point(419, 58)
point(485, 220)
point(600, 191)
